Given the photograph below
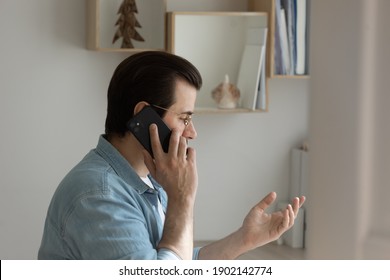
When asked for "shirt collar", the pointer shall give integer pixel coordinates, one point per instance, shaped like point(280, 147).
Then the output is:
point(120, 165)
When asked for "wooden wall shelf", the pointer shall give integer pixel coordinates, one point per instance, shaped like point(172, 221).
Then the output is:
point(215, 42)
point(102, 16)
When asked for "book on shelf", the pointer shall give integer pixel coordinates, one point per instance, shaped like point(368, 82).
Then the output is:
point(251, 69)
point(300, 67)
point(290, 56)
point(280, 66)
point(289, 7)
point(261, 100)
point(307, 47)
point(284, 43)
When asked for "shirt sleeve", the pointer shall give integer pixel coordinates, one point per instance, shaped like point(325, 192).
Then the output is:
point(166, 254)
point(101, 226)
point(195, 255)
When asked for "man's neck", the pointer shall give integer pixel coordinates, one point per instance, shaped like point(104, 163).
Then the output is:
point(131, 150)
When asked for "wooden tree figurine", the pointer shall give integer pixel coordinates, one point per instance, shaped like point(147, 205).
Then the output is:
point(127, 24)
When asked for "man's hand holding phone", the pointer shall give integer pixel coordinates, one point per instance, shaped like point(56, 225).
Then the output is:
point(176, 171)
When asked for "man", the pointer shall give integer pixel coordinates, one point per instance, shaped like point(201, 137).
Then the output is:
point(120, 203)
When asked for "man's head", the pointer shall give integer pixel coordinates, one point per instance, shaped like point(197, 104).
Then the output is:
point(150, 77)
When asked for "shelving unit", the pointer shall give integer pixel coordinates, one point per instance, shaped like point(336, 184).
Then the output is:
point(102, 16)
point(268, 6)
point(214, 42)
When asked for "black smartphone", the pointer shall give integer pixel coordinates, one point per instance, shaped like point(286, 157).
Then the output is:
point(139, 126)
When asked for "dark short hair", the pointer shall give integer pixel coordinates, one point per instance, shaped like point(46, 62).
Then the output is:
point(148, 76)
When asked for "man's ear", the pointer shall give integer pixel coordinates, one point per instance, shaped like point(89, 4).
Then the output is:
point(140, 106)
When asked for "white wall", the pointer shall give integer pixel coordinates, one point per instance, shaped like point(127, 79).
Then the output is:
point(52, 109)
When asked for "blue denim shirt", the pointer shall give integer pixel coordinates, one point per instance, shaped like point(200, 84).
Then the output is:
point(103, 210)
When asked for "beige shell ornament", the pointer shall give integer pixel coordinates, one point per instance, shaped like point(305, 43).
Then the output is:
point(226, 95)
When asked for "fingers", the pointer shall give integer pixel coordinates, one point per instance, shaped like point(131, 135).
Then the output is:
point(155, 140)
point(267, 201)
point(191, 155)
point(295, 206)
point(293, 209)
point(182, 149)
point(177, 143)
point(291, 216)
point(297, 203)
point(288, 217)
point(286, 220)
point(302, 200)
